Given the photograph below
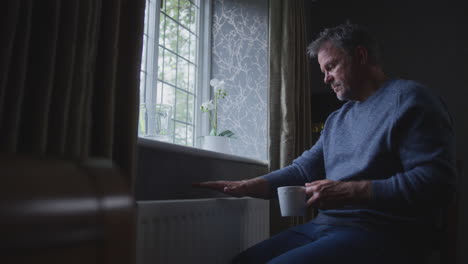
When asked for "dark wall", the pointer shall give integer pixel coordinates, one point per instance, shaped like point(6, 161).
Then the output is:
point(421, 40)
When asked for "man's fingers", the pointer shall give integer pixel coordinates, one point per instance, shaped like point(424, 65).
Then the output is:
point(312, 201)
point(218, 185)
point(314, 182)
point(310, 190)
point(233, 188)
point(232, 191)
point(237, 190)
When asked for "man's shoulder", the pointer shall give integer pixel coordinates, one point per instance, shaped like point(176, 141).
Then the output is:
point(402, 86)
point(415, 95)
point(410, 91)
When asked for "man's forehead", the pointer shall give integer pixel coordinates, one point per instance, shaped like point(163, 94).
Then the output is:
point(328, 48)
point(325, 53)
point(328, 51)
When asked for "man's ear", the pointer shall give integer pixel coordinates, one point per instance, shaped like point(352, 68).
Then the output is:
point(361, 54)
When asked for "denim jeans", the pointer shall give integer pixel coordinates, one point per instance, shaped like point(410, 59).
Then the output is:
point(323, 244)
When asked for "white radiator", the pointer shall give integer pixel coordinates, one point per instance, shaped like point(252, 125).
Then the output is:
point(208, 231)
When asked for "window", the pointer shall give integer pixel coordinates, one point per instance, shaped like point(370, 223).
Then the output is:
point(172, 70)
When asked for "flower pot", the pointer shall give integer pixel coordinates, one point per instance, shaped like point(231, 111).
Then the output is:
point(216, 143)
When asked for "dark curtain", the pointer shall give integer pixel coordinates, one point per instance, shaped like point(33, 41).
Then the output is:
point(290, 108)
point(290, 119)
point(69, 91)
point(69, 78)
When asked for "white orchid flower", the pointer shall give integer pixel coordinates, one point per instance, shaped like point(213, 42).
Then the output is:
point(214, 82)
point(207, 106)
point(218, 88)
point(220, 85)
point(217, 84)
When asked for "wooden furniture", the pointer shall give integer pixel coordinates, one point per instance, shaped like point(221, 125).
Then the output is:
point(64, 211)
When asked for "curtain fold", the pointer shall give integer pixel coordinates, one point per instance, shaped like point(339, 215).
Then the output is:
point(290, 109)
point(69, 78)
point(290, 116)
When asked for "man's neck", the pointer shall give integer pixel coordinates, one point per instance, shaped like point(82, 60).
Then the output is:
point(372, 84)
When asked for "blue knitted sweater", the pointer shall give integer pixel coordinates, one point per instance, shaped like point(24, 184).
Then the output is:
point(401, 139)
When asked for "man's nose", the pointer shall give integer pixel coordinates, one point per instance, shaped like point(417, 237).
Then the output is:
point(327, 78)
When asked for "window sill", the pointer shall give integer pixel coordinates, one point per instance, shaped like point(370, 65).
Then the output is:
point(174, 148)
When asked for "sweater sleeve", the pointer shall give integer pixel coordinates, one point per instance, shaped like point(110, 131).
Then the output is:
point(423, 138)
point(306, 168)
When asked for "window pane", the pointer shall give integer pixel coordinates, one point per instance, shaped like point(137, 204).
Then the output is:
point(159, 93)
point(192, 78)
point(170, 67)
point(162, 29)
point(190, 135)
point(193, 19)
point(181, 106)
point(161, 64)
point(170, 35)
point(182, 73)
point(168, 95)
point(171, 7)
point(184, 13)
point(193, 48)
point(180, 133)
point(184, 43)
point(190, 108)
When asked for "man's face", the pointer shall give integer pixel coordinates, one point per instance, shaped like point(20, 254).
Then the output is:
point(339, 71)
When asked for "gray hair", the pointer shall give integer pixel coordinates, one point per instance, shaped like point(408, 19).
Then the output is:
point(347, 37)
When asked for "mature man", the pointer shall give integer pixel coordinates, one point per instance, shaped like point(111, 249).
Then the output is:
point(383, 164)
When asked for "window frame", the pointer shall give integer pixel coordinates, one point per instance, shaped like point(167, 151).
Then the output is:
point(202, 127)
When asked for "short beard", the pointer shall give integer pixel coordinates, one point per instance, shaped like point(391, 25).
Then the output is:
point(341, 98)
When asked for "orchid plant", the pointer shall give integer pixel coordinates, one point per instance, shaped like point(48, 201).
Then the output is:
point(212, 106)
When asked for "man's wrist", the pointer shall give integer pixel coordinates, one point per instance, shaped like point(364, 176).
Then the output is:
point(258, 187)
point(360, 191)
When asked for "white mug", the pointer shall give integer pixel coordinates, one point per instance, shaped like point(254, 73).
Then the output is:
point(292, 200)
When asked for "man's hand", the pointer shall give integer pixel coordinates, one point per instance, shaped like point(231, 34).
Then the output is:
point(328, 194)
point(257, 187)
